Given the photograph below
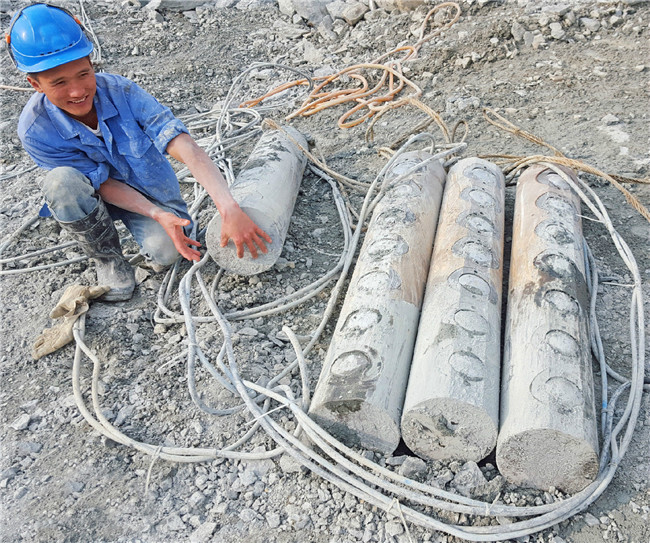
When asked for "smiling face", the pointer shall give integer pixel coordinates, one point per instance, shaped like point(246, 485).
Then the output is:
point(71, 87)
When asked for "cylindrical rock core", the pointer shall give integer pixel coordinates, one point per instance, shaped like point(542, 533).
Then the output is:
point(360, 392)
point(451, 410)
point(266, 190)
point(548, 435)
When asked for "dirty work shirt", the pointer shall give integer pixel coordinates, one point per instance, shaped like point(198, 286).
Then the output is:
point(135, 130)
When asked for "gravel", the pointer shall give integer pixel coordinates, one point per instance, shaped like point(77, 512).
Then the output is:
point(574, 73)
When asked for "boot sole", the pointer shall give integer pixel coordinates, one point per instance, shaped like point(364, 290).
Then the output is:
point(117, 296)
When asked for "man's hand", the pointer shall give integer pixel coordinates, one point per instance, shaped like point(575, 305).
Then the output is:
point(173, 225)
point(238, 227)
point(122, 195)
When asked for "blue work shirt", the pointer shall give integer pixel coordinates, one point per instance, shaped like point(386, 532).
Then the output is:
point(135, 129)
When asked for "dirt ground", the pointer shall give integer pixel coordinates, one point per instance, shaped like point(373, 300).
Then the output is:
point(576, 74)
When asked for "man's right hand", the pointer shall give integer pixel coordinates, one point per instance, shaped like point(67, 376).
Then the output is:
point(173, 225)
point(126, 197)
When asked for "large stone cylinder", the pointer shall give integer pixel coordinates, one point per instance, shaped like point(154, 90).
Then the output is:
point(451, 410)
point(266, 190)
point(360, 392)
point(548, 435)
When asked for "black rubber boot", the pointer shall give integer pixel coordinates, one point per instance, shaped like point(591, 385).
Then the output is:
point(97, 236)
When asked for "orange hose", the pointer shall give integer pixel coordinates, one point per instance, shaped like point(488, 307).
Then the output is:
point(276, 90)
point(319, 99)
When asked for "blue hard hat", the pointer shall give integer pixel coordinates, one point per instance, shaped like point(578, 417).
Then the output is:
point(42, 36)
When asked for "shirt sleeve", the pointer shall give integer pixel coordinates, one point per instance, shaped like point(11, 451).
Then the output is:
point(48, 158)
point(157, 121)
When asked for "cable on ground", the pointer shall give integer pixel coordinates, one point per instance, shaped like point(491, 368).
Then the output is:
point(326, 456)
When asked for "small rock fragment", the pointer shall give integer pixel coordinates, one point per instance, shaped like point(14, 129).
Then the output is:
point(247, 514)
point(286, 7)
point(517, 31)
point(557, 32)
point(74, 487)
point(22, 422)
point(592, 25)
point(394, 528)
point(289, 465)
point(570, 18)
point(529, 37)
point(401, 5)
point(8, 474)
point(610, 119)
point(463, 62)
point(196, 499)
point(395, 460)
point(413, 468)
point(325, 29)
point(443, 477)
point(20, 492)
point(538, 41)
point(468, 478)
point(203, 533)
point(273, 519)
point(174, 523)
point(28, 447)
point(354, 12)
point(311, 10)
point(312, 55)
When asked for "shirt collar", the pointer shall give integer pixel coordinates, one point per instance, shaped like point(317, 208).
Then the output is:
point(69, 128)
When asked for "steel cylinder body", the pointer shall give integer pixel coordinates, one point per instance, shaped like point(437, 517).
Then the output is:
point(360, 392)
point(266, 190)
point(548, 435)
point(451, 409)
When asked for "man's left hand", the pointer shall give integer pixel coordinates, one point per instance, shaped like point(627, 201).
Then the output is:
point(238, 227)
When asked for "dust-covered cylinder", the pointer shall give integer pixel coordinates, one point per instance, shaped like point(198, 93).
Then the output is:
point(548, 435)
point(360, 392)
point(266, 190)
point(451, 410)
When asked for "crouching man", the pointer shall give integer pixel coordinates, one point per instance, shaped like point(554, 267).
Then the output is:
point(103, 140)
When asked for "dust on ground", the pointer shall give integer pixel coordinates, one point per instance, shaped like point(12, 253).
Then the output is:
point(574, 74)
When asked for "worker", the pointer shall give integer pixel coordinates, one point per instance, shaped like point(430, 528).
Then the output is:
point(104, 141)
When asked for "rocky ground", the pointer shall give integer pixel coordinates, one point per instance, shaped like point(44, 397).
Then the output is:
point(573, 73)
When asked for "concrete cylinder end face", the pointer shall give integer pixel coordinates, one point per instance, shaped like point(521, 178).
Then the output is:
point(544, 458)
point(358, 423)
point(227, 258)
point(477, 222)
point(447, 429)
point(480, 198)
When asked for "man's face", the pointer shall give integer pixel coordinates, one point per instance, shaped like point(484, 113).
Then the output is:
point(71, 87)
